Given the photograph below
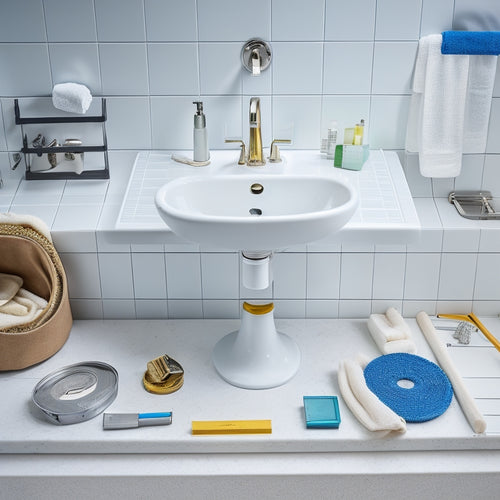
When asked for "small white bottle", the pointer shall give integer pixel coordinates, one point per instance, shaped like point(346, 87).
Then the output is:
point(331, 141)
point(200, 139)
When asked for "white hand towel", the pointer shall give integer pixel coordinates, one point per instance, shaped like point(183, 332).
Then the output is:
point(362, 402)
point(437, 109)
point(482, 70)
point(391, 332)
point(71, 97)
point(449, 108)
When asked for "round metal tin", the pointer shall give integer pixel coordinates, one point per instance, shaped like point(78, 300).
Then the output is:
point(76, 393)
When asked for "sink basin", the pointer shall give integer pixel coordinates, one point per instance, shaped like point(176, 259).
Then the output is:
point(256, 212)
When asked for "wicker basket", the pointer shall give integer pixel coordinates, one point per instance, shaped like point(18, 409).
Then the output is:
point(27, 253)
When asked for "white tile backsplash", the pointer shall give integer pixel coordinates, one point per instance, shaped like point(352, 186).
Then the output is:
point(356, 276)
point(24, 22)
point(171, 21)
point(124, 68)
point(149, 275)
point(24, 60)
point(124, 133)
point(493, 144)
point(70, 20)
point(341, 17)
point(118, 309)
point(457, 275)
point(168, 133)
point(82, 272)
point(329, 48)
point(220, 68)
point(173, 68)
point(78, 63)
point(388, 117)
point(227, 20)
point(323, 275)
point(217, 285)
point(398, 19)
point(183, 275)
point(298, 20)
point(131, 25)
point(297, 118)
point(392, 67)
point(422, 276)
point(436, 16)
point(297, 67)
point(178, 309)
point(151, 309)
point(388, 275)
point(322, 309)
point(115, 270)
point(487, 277)
point(348, 67)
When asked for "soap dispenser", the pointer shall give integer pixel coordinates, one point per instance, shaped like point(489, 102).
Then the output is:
point(200, 140)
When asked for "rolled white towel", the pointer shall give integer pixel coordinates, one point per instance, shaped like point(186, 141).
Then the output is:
point(362, 402)
point(71, 97)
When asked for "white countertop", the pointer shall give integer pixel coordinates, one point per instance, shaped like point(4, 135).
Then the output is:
point(128, 345)
point(386, 213)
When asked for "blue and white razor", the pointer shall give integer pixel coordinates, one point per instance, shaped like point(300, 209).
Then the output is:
point(132, 420)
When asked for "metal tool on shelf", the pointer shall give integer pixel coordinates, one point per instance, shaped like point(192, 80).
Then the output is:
point(72, 151)
point(475, 205)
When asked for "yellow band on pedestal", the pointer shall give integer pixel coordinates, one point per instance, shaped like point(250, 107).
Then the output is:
point(258, 309)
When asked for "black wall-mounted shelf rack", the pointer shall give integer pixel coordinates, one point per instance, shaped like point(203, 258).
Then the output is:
point(86, 174)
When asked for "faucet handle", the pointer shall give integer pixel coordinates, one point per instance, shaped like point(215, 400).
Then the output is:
point(243, 155)
point(274, 156)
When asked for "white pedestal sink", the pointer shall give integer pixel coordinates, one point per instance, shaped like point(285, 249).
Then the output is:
point(256, 214)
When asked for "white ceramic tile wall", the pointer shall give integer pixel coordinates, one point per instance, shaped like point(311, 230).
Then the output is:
point(333, 60)
point(324, 48)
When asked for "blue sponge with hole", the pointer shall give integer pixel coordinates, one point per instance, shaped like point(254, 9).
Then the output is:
point(428, 398)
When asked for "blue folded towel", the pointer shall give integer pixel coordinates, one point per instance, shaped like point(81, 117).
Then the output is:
point(471, 42)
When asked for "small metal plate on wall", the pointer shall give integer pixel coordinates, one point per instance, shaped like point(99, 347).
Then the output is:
point(255, 47)
point(76, 393)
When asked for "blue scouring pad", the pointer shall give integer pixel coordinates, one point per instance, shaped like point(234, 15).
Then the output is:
point(429, 396)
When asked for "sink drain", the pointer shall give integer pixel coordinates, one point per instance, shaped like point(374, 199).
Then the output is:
point(257, 188)
point(255, 211)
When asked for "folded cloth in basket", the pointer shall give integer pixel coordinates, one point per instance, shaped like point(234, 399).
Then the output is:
point(23, 308)
point(9, 286)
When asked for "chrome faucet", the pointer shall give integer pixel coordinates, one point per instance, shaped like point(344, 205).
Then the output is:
point(255, 153)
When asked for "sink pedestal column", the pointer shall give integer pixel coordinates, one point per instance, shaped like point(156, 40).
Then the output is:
point(256, 356)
